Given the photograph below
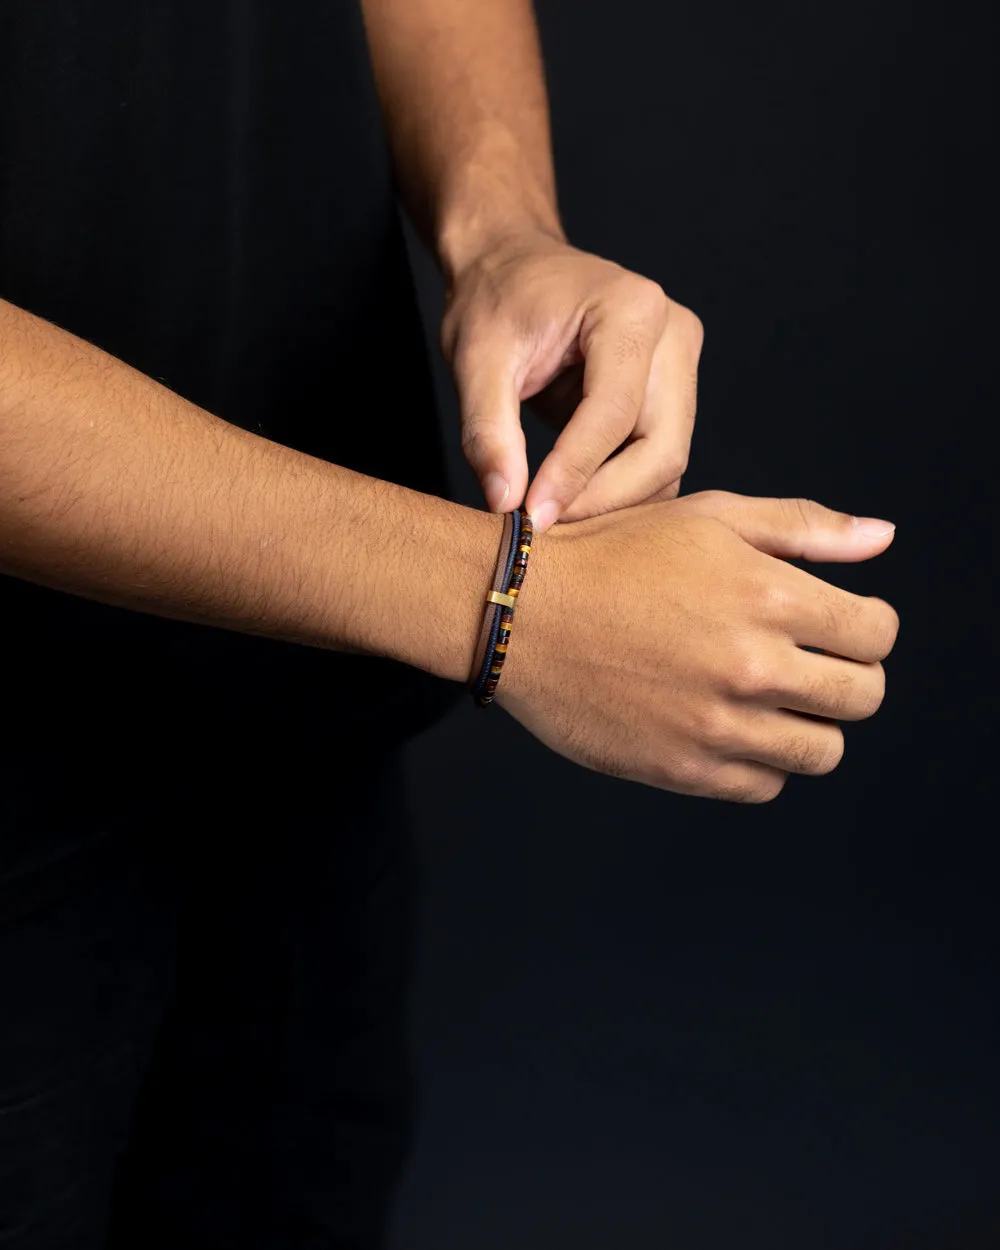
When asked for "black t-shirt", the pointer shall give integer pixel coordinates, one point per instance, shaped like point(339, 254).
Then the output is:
point(203, 190)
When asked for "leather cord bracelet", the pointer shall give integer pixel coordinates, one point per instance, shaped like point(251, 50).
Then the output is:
point(491, 617)
point(501, 599)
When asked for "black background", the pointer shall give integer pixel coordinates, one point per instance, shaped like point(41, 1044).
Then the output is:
point(649, 1022)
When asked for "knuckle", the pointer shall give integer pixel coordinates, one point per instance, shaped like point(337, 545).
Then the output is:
point(712, 502)
point(773, 597)
point(837, 613)
point(650, 298)
point(714, 727)
point(665, 493)
point(835, 751)
point(675, 465)
point(688, 774)
point(817, 754)
point(689, 325)
point(766, 789)
point(477, 341)
point(460, 336)
point(885, 627)
point(846, 607)
point(667, 482)
point(469, 370)
point(756, 786)
point(875, 694)
point(749, 673)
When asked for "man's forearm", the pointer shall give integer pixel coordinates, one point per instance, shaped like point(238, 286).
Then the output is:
point(113, 487)
point(463, 93)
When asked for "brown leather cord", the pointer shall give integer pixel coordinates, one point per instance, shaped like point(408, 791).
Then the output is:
point(496, 584)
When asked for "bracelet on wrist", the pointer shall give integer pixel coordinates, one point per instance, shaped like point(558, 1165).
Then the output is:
point(501, 600)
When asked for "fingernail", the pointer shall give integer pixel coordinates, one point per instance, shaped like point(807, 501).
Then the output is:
point(496, 489)
point(544, 515)
point(872, 527)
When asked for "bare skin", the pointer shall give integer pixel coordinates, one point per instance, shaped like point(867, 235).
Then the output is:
point(605, 355)
point(678, 660)
point(661, 642)
point(664, 643)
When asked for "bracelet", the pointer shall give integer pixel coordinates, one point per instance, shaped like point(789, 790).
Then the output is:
point(501, 599)
point(491, 618)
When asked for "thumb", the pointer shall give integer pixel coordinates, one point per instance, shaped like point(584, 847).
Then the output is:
point(492, 438)
point(794, 529)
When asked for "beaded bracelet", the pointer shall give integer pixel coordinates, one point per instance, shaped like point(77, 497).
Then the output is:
point(491, 618)
point(512, 563)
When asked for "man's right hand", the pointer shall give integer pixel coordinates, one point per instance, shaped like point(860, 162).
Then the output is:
point(664, 643)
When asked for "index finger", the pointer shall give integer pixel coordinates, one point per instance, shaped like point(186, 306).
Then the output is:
point(618, 355)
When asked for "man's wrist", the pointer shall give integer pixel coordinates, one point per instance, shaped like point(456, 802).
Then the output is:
point(428, 592)
point(428, 583)
point(495, 194)
point(481, 233)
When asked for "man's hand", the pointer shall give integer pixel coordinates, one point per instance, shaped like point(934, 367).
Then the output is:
point(666, 643)
point(606, 356)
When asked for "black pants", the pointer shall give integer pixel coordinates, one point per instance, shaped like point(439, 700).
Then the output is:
point(202, 1022)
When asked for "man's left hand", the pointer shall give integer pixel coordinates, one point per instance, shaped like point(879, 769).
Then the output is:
point(605, 357)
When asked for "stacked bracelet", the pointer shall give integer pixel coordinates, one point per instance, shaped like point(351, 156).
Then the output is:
point(494, 637)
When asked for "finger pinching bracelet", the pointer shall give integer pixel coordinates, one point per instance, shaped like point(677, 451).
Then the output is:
point(501, 599)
